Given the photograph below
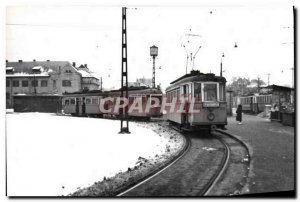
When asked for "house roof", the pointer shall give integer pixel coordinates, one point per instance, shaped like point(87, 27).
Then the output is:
point(85, 73)
point(26, 67)
point(276, 87)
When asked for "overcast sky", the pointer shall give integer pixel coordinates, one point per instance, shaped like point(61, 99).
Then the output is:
point(92, 35)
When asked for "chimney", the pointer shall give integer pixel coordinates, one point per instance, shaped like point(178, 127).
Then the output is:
point(85, 65)
point(74, 64)
point(33, 60)
point(20, 61)
point(6, 60)
point(48, 60)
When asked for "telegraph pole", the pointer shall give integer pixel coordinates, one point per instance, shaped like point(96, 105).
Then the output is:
point(258, 84)
point(124, 75)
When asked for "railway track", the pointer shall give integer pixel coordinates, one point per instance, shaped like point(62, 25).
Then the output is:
point(213, 164)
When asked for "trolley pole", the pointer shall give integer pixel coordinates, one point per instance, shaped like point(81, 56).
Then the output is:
point(124, 75)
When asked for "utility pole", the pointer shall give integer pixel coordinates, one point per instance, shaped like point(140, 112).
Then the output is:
point(258, 84)
point(124, 75)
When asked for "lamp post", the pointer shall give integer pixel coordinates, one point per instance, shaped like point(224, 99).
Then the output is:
point(153, 53)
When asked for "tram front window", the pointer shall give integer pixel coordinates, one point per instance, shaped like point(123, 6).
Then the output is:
point(210, 92)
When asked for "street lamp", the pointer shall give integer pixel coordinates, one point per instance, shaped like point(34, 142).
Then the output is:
point(235, 45)
point(153, 53)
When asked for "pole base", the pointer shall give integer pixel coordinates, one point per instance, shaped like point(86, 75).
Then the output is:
point(124, 130)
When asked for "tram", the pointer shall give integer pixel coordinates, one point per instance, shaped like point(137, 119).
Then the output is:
point(197, 101)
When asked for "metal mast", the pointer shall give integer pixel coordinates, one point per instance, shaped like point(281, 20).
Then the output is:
point(124, 75)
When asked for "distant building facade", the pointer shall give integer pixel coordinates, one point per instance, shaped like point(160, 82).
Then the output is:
point(280, 94)
point(46, 77)
point(268, 96)
point(141, 82)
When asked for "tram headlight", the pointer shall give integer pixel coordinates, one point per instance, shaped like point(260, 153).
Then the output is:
point(211, 116)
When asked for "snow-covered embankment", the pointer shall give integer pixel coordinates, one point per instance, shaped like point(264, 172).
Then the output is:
point(51, 155)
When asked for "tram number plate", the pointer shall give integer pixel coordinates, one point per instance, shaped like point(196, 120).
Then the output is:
point(210, 104)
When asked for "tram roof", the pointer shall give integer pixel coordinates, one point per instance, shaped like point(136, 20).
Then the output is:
point(141, 89)
point(196, 75)
point(131, 90)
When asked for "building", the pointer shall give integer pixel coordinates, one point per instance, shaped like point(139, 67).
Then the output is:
point(141, 82)
point(280, 94)
point(268, 96)
point(46, 78)
point(88, 81)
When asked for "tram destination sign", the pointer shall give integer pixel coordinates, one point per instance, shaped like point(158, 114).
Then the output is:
point(210, 104)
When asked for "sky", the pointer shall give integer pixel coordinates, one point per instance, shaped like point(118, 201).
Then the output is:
point(91, 34)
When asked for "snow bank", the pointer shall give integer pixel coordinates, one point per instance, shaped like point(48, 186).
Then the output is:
point(51, 155)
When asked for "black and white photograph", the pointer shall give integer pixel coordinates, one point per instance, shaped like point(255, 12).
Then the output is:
point(150, 100)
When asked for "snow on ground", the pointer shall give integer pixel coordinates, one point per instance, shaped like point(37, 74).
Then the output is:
point(50, 155)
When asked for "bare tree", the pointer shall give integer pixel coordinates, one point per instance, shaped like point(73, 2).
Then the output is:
point(239, 86)
point(258, 82)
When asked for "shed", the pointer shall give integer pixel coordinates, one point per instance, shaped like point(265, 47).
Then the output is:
point(37, 103)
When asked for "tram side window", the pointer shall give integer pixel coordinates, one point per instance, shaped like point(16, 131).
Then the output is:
point(143, 98)
point(187, 90)
point(131, 99)
point(222, 92)
point(94, 101)
point(88, 101)
point(210, 92)
point(197, 91)
point(73, 101)
point(67, 102)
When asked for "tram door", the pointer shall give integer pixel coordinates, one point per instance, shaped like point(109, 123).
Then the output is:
point(251, 104)
point(83, 106)
point(77, 106)
point(185, 94)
